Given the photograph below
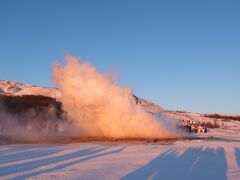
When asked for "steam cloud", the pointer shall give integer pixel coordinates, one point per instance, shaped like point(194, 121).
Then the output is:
point(98, 107)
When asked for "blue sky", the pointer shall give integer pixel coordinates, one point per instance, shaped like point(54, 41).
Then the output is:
point(182, 54)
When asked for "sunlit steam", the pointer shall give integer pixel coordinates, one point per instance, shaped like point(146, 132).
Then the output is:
point(98, 107)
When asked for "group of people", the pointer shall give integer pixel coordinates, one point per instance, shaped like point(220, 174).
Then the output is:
point(193, 126)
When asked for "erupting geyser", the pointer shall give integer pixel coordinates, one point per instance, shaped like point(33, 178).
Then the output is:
point(100, 108)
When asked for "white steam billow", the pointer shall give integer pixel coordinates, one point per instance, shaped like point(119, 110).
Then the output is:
point(100, 108)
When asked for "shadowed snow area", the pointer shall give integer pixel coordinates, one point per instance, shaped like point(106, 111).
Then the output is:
point(196, 159)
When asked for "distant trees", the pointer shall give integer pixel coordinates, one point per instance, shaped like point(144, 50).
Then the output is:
point(180, 111)
point(223, 117)
point(36, 112)
point(21, 104)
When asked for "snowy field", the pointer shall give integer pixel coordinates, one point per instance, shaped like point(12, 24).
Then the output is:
point(214, 156)
point(216, 159)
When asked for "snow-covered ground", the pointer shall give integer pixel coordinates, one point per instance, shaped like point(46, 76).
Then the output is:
point(196, 159)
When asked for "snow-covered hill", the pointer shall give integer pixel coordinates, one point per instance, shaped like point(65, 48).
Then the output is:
point(18, 89)
point(13, 88)
point(148, 105)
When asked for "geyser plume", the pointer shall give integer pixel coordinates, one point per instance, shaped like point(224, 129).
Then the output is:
point(100, 108)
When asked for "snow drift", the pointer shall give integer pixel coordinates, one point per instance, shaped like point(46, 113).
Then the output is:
point(98, 107)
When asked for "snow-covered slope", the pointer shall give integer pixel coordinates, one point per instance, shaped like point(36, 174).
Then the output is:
point(18, 89)
point(13, 88)
point(148, 105)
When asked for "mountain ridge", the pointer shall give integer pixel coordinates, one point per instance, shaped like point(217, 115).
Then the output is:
point(14, 88)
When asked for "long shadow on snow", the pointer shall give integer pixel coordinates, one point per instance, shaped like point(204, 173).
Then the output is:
point(46, 161)
point(237, 154)
point(35, 153)
point(194, 163)
point(62, 166)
